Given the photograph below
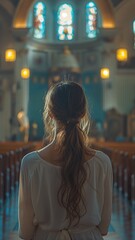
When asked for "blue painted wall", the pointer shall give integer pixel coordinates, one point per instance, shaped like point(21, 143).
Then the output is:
point(37, 91)
point(91, 84)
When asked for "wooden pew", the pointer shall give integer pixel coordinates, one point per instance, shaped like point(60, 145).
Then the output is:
point(10, 160)
point(133, 180)
point(1, 180)
point(122, 156)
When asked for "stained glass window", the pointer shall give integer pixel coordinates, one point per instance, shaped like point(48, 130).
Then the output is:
point(39, 20)
point(134, 31)
point(91, 20)
point(65, 22)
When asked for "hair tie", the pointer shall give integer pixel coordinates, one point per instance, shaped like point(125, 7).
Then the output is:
point(72, 122)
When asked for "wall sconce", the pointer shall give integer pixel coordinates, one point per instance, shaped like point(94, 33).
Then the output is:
point(10, 55)
point(104, 73)
point(122, 54)
point(25, 73)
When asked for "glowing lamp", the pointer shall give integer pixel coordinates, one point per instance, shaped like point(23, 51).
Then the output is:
point(25, 73)
point(105, 73)
point(20, 115)
point(122, 54)
point(10, 55)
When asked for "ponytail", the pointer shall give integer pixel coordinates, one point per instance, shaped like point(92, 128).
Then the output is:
point(73, 173)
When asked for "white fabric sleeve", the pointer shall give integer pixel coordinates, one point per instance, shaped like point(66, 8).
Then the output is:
point(107, 204)
point(25, 209)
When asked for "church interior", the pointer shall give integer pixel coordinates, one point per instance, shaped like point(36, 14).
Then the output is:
point(89, 42)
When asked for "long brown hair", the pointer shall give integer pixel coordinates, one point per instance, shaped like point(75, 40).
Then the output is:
point(66, 101)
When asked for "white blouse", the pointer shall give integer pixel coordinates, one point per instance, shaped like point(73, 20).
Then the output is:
point(40, 215)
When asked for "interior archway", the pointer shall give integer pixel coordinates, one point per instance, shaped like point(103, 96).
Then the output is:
point(20, 19)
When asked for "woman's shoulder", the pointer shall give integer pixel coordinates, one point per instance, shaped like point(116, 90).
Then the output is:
point(97, 154)
point(102, 155)
point(102, 159)
point(28, 160)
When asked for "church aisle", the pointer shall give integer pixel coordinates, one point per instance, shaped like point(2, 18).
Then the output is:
point(8, 216)
point(123, 216)
point(122, 224)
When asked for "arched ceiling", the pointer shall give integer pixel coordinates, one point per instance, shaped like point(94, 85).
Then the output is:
point(114, 2)
point(22, 11)
point(15, 2)
point(5, 18)
point(25, 5)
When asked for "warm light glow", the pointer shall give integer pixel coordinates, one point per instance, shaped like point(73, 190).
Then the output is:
point(20, 115)
point(10, 55)
point(20, 25)
point(108, 24)
point(105, 73)
point(25, 73)
point(122, 54)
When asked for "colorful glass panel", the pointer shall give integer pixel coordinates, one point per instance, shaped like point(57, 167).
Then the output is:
point(134, 31)
point(39, 20)
point(91, 20)
point(65, 22)
point(134, 26)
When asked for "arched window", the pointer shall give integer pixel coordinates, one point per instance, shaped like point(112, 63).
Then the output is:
point(134, 31)
point(39, 18)
point(91, 20)
point(65, 22)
